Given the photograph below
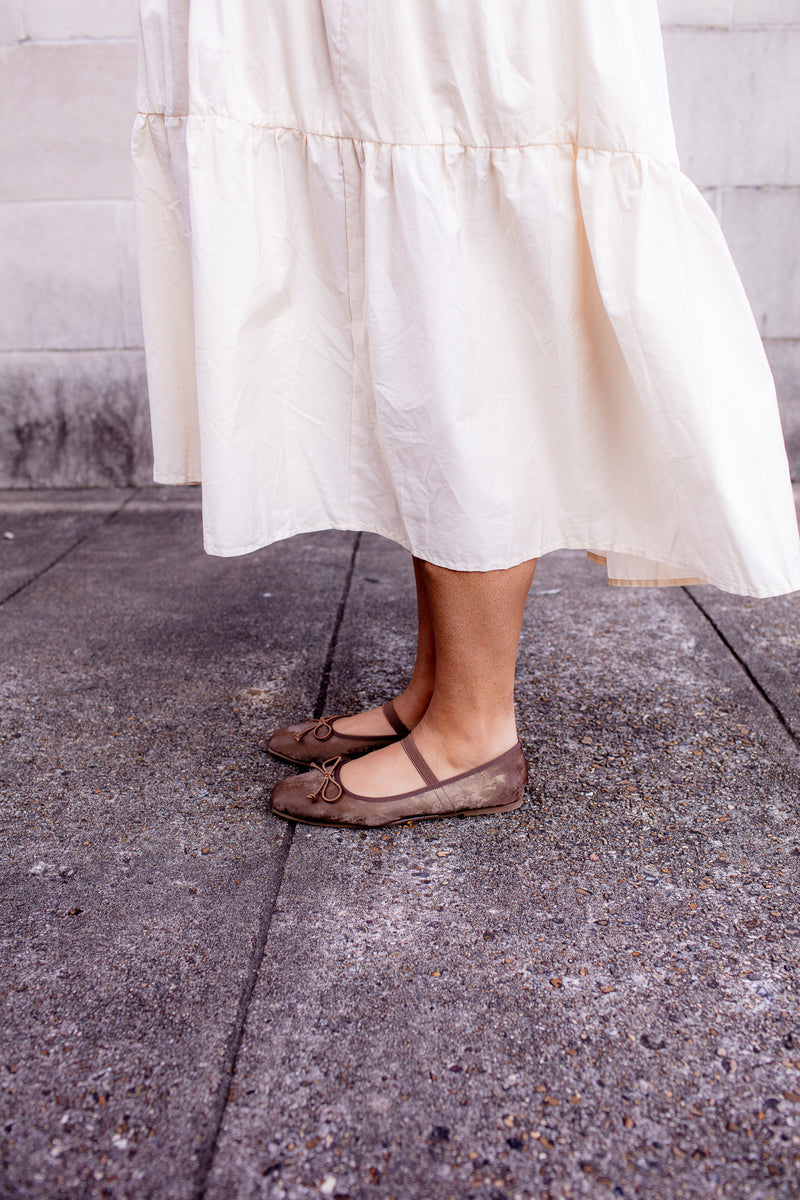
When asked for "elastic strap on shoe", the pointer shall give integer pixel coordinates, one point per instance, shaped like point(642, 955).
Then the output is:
point(397, 725)
point(422, 767)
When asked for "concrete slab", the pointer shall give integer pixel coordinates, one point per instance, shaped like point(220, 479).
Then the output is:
point(765, 636)
point(764, 12)
point(756, 223)
point(728, 85)
point(74, 104)
point(67, 266)
point(595, 996)
point(33, 537)
point(12, 28)
point(704, 13)
point(784, 359)
point(376, 643)
point(46, 20)
point(139, 865)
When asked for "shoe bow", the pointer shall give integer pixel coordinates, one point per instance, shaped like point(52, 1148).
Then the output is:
point(327, 769)
point(321, 731)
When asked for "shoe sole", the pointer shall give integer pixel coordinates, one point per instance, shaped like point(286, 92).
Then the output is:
point(466, 812)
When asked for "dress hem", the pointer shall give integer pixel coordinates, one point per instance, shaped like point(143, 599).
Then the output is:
point(626, 339)
point(688, 580)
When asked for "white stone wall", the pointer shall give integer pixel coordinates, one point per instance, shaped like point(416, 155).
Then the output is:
point(72, 387)
point(734, 69)
point(72, 390)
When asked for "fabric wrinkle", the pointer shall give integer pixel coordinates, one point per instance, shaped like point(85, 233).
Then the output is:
point(434, 272)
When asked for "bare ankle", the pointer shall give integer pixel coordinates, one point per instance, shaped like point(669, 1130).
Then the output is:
point(462, 745)
point(412, 704)
point(408, 706)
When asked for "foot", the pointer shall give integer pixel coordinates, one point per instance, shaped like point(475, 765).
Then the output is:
point(317, 741)
point(373, 723)
point(320, 797)
point(389, 771)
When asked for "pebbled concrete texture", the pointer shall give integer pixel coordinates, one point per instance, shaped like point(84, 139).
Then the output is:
point(32, 540)
point(765, 636)
point(138, 678)
point(594, 996)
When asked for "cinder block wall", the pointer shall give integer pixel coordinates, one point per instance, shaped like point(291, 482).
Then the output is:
point(72, 386)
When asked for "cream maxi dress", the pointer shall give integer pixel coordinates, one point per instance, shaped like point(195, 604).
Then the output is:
point(430, 268)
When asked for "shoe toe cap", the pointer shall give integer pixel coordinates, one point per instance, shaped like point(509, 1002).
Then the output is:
point(286, 743)
point(290, 797)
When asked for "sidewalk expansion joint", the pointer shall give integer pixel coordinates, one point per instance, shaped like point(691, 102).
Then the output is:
point(325, 678)
point(778, 713)
point(112, 516)
point(207, 1152)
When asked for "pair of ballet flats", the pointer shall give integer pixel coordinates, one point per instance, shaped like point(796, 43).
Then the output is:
point(318, 796)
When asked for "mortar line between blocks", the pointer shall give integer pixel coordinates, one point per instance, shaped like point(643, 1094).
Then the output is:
point(74, 546)
point(745, 667)
point(207, 1153)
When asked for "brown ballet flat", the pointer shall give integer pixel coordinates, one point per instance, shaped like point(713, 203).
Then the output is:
point(314, 741)
point(322, 799)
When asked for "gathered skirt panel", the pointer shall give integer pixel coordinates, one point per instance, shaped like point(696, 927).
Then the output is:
point(365, 309)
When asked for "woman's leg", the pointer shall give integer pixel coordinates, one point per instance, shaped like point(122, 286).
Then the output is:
point(411, 704)
point(476, 619)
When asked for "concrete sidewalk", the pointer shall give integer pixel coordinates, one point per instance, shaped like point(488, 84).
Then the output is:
point(594, 996)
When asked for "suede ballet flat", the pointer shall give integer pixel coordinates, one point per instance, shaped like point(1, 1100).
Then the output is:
point(318, 797)
point(315, 741)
